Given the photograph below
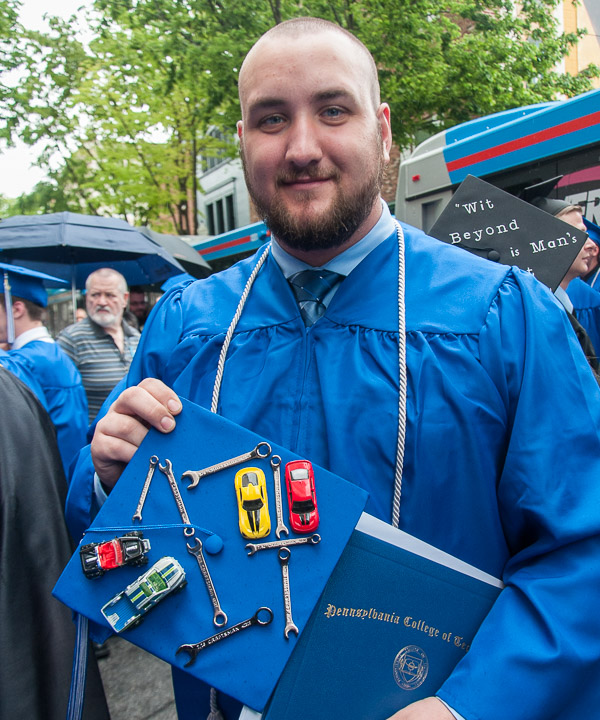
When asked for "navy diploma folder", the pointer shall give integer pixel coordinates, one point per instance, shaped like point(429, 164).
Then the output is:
point(389, 628)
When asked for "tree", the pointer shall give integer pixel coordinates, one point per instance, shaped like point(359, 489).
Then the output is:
point(125, 118)
point(443, 62)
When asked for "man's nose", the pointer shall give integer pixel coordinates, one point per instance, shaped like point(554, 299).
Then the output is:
point(303, 143)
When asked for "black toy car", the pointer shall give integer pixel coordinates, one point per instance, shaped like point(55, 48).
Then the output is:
point(129, 549)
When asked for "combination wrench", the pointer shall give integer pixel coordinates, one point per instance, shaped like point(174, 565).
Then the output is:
point(138, 511)
point(167, 469)
point(219, 617)
point(194, 648)
point(276, 467)
point(284, 556)
point(277, 544)
point(262, 450)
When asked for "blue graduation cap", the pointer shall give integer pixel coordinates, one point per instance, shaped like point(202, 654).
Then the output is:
point(26, 284)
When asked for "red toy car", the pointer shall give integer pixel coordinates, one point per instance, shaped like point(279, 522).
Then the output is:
point(97, 558)
point(302, 499)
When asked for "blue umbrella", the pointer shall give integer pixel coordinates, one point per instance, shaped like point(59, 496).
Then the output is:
point(71, 246)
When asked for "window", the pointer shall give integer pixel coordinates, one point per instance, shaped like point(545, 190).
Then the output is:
point(220, 215)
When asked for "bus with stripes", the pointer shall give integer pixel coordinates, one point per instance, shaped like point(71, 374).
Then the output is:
point(512, 150)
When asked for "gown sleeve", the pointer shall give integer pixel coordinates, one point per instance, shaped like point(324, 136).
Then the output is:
point(549, 499)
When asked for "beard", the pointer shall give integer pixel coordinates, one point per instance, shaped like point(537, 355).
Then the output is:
point(331, 228)
point(104, 319)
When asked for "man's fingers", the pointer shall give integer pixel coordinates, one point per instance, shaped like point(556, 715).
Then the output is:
point(151, 402)
point(116, 429)
point(121, 431)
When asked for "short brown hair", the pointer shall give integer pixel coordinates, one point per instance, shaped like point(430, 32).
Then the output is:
point(35, 312)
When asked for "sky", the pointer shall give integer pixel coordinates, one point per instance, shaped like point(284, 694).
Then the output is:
point(17, 173)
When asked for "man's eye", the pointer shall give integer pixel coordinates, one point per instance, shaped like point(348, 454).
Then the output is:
point(333, 112)
point(272, 120)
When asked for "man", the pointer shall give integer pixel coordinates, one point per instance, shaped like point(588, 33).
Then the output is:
point(38, 361)
point(496, 383)
point(584, 264)
point(37, 634)
point(583, 291)
point(138, 306)
point(101, 345)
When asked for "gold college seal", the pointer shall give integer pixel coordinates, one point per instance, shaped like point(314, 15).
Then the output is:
point(410, 667)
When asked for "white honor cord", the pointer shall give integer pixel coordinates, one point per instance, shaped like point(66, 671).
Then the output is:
point(401, 363)
point(229, 335)
point(401, 437)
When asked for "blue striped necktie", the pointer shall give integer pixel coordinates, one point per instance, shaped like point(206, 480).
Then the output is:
point(310, 287)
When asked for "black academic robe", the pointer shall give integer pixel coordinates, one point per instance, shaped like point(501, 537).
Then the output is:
point(37, 634)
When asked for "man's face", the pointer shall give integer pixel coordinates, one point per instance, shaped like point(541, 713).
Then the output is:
point(138, 305)
point(587, 258)
point(105, 301)
point(313, 144)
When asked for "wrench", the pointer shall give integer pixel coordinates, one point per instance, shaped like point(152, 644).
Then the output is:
point(275, 465)
point(276, 544)
point(219, 617)
point(262, 450)
point(142, 500)
point(194, 648)
point(167, 469)
point(284, 556)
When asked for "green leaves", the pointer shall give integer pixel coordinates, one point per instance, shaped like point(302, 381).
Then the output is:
point(123, 115)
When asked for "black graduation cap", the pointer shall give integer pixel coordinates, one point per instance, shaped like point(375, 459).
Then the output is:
point(496, 225)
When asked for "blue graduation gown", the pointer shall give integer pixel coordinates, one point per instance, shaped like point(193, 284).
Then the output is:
point(25, 375)
point(62, 390)
point(502, 452)
point(586, 306)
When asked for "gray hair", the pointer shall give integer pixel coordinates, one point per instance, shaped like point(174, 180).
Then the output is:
point(107, 272)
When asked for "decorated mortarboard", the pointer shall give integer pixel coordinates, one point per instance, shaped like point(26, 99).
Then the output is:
point(28, 284)
point(244, 656)
point(498, 226)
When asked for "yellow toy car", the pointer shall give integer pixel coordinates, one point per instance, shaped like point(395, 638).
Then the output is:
point(253, 503)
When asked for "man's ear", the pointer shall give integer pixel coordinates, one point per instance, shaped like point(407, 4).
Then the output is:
point(240, 128)
point(383, 118)
point(19, 309)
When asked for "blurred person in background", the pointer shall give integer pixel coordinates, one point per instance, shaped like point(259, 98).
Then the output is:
point(139, 307)
point(584, 264)
point(101, 345)
point(38, 360)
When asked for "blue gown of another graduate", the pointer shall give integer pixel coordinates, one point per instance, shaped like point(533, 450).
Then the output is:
point(586, 307)
point(502, 456)
point(63, 392)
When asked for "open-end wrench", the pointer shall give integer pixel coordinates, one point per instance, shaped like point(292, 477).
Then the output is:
point(138, 511)
point(194, 648)
point(284, 557)
point(167, 469)
point(262, 450)
point(219, 617)
point(275, 466)
point(277, 544)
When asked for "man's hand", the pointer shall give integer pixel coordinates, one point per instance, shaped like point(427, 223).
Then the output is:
point(121, 431)
point(430, 708)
